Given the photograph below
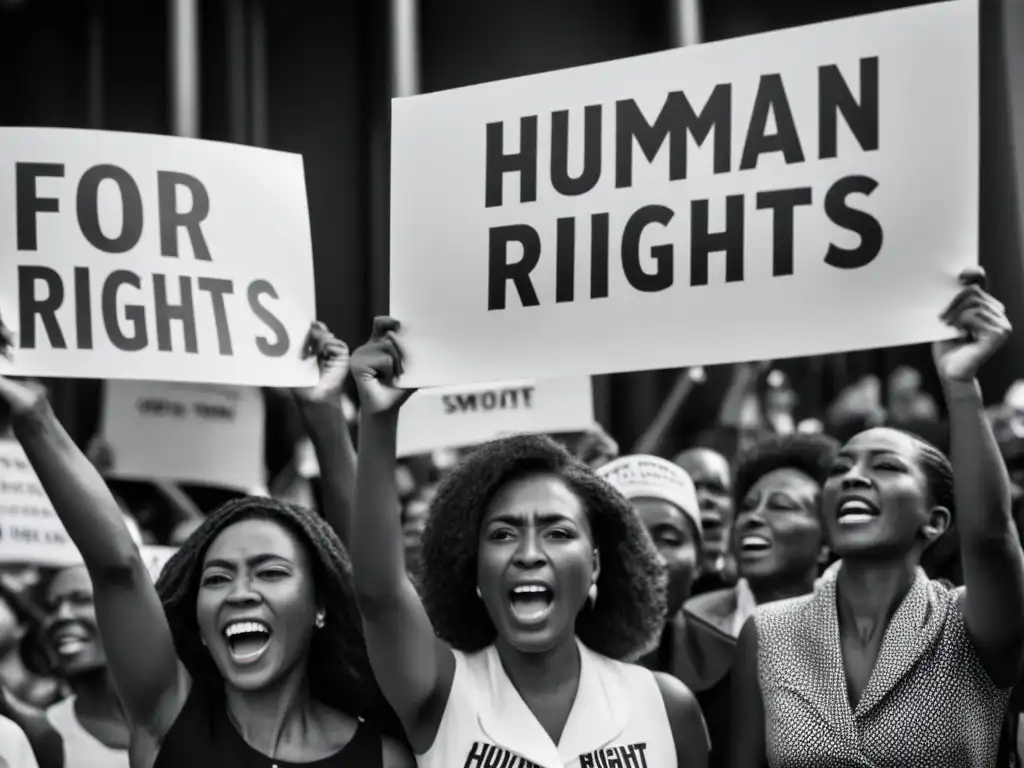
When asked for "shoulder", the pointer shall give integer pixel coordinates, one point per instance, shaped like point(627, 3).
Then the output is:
point(394, 754)
point(711, 602)
point(14, 746)
point(685, 718)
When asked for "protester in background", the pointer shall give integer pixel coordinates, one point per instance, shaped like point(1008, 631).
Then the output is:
point(926, 670)
point(537, 577)
point(712, 478)
point(15, 750)
point(20, 619)
point(663, 495)
point(258, 603)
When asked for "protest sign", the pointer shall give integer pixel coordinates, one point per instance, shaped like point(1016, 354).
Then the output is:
point(801, 192)
point(30, 531)
point(156, 557)
point(459, 416)
point(189, 433)
point(130, 256)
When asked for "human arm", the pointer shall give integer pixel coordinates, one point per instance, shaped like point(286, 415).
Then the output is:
point(152, 685)
point(689, 731)
point(324, 422)
point(396, 755)
point(413, 667)
point(990, 547)
point(747, 705)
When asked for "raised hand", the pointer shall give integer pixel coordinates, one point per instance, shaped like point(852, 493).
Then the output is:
point(376, 365)
point(14, 397)
point(332, 359)
point(983, 325)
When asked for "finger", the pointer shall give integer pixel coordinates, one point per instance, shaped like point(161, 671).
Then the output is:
point(395, 348)
point(974, 276)
point(333, 349)
point(314, 340)
point(383, 325)
point(966, 299)
point(377, 360)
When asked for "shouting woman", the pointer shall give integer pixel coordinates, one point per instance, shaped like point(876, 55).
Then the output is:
point(881, 666)
point(248, 652)
point(538, 580)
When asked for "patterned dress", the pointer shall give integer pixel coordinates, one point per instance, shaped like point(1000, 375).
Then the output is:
point(928, 704)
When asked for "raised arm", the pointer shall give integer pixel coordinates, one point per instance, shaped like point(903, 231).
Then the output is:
point(324, 422)
point(413, 667)
point(747, 749)
point(152, 685)
point(990, 547)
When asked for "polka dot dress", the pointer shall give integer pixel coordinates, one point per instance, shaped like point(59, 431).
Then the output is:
point(929, 703)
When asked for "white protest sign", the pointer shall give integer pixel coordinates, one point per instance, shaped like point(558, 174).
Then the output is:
point(156, 557)
point(796, 193)
point(459, 416)
point(188, 433)
point(131, 256)
point(30, 531)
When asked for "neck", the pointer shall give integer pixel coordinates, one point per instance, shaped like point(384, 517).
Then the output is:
point(868, 593)
point(543, 673)
point(262, 717)
point(770, 590)
point(95, 696)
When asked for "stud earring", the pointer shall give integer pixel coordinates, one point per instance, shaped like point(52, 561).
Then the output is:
point(592, 595)
point(321, 619)
point(479, 593)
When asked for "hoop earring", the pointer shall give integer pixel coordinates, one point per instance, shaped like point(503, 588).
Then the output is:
point(321, 619)
point(592, 595)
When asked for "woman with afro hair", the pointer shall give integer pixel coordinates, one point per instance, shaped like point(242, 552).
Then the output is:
point(248, 652)
point(881, 665)
point(538, 582)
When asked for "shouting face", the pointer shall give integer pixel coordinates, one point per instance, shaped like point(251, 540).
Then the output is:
point(256, 605)
point(713, 480)
point(70, 627)
point(778, 534)
point(536, 562)
point(876, 502)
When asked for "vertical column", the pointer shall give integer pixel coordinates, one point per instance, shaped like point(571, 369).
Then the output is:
point(184, 47)
point(236, 55)
point(258, 116)
point(687, 22)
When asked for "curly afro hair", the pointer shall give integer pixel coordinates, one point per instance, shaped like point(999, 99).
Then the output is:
point(811, 454)
point(627, 619)
point(339, 668)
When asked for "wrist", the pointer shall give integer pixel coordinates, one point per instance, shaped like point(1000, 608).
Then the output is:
point(962, 390)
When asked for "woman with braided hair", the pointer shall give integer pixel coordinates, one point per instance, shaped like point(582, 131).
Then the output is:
point(881, 666)
point(249, 651)
point(538, 582)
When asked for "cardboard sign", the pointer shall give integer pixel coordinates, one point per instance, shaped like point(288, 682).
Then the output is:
point(186, 433)
point(30, 531)
point(802, 192)
point(130, 256)
point(455, 417)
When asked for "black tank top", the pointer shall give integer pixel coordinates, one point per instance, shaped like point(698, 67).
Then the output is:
point(204, 737)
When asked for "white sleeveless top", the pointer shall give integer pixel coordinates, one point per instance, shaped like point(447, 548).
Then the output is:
point(618, 718)
point(81, 748)
point(15, 751)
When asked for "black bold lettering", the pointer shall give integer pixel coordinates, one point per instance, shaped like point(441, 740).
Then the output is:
point(133, 313)
point(783, 202)
point(587, 760)
point(528, 396)
point(629, 757)
point(675, 121)
point(641, 748)
point(861, 222)
point(166, 312)
point(488, 400)
point(218, 289)
point(565, 265)
point(83, 308)
point(278, 348)
point(466, 402)
point(563, 183)
point(448, 403)
point(523, 162)
point(703, 243)
point(495, 756)
point(834, 96)
point(476, 755)
point(170, 219)
point(500, 271)
point(662, 254)
point(89, 214)
point(30, 306)
point(28, 204)
point(599, 256)
point(771, 100)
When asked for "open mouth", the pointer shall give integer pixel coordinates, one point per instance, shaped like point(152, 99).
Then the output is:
point(857, 512)
point(531, 603)
point(754, 544)
point(710, 521)
point(247, 640)
point(70, 640)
